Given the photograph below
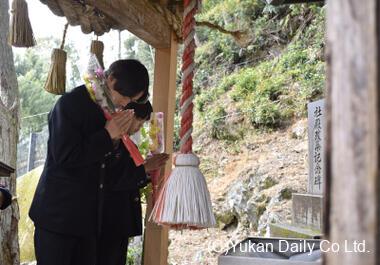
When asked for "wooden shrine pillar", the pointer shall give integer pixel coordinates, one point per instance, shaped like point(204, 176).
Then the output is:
point(353, 130)
point(164, 91)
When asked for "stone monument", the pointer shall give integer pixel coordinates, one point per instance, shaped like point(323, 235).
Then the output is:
point(307, 209)
point(316, 113)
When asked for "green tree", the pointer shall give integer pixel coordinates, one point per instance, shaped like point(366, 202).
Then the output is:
point(140, 50)
point(32, 67)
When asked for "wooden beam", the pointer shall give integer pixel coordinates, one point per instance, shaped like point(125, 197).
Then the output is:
point(353, 68)
point(164, 91)
point(164, 2)
point(138, 17)
point(5, 170)
point(287, 2)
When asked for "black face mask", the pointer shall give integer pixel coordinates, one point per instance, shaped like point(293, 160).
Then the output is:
point(142, 100)
point(138, 114)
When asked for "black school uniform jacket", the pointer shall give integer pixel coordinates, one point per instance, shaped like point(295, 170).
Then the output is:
point(122, 215)
point(69, 195)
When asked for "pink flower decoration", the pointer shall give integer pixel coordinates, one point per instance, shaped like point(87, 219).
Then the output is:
point(99, 73)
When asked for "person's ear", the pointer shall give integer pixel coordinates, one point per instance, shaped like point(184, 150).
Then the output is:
point(111, 82)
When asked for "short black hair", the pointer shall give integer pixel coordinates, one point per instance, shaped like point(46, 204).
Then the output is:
point(131, 77)
point(142, 111)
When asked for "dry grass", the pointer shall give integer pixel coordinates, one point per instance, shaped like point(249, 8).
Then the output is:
point(26, 185)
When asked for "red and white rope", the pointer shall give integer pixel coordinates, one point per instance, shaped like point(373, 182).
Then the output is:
point(188, 66)
point(184, 201)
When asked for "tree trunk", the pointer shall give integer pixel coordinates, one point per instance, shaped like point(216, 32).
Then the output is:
point(9, 120)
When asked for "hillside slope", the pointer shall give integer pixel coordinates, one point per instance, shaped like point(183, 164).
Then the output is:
point(250, 126)
point(249, 189)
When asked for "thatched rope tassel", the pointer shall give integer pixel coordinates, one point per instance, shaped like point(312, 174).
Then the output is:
point(56, 81)
point(97, 48)
point(64, 36)
point(20, 31)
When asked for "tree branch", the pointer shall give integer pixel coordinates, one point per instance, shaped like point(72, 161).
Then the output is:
point(236, 34)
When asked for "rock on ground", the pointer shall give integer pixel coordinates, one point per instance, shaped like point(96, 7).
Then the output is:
point(251, 185)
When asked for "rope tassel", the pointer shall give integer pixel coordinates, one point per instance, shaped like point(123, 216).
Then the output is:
point(184, 201)
point(97, 48)
point(20, 30)
point(56, 81)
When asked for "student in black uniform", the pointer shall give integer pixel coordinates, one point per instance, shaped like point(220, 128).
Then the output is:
point(122, 217)
point(5, 198)
point(65, 207)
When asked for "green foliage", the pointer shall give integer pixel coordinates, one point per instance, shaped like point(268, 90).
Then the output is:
point(219, 129)
point(134, 253)
point(217, 51)
point(264, 113)
point(32, 68)
point(217, 121)
point(278, 90)
point(32, 71)
point(144, 150)
point(269, 92)
point(144, 141)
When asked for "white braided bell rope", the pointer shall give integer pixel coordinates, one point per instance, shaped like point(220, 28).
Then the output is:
point(187, 198)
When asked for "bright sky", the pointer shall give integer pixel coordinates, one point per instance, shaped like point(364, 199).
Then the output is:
point(46, 24)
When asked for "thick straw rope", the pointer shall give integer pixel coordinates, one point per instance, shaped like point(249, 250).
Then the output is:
point(20, 30)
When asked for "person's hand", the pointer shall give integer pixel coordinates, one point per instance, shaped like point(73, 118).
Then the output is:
point(155, 162)
point(120, 124)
